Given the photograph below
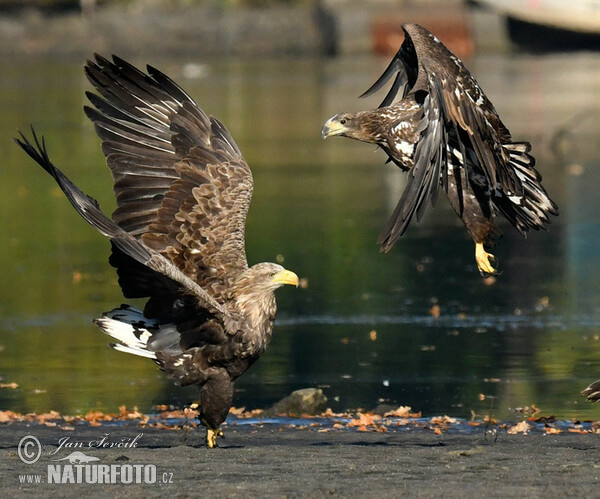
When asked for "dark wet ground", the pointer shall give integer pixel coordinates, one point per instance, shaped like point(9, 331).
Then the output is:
point(277, 460)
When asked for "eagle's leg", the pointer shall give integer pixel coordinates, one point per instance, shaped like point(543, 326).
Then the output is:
point(211, 437)
point(215, 401)
point(486, 262)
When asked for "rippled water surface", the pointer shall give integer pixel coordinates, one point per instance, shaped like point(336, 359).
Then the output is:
point(364, 329)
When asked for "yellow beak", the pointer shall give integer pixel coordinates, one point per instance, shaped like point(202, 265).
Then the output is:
point(286, 277)
point(332, 127)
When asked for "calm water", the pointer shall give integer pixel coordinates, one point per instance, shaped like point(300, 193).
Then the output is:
point(532, 337)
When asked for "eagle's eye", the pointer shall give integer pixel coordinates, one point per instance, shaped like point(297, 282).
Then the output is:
point(343, 121)
point(272, 274)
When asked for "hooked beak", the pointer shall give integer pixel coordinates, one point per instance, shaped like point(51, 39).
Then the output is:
point(332, 127)
point(286, 277)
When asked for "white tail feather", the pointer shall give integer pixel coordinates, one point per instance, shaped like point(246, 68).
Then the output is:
point(128, 326)
point(134, 351)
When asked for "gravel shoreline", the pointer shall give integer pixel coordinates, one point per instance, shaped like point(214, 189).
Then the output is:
point(266, 460)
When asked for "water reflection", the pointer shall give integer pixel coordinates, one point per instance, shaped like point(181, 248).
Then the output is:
point(530, 337)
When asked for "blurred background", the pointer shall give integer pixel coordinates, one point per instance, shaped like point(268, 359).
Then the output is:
point(417, 326)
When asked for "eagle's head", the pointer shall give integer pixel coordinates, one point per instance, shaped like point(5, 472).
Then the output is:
point(254, 291)
point(351, 125)
point(260, 281)
point(270, 276)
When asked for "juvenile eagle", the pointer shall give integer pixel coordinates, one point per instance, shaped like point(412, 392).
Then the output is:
point(445, 131)
point(177, 235)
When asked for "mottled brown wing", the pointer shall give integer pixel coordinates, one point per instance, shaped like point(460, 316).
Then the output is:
point(463, 107)
point(181, 183)
point(201, 223)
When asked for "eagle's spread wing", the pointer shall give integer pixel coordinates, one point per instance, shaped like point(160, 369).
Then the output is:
point(457, 116)
point(163, 274)
point(181, 183)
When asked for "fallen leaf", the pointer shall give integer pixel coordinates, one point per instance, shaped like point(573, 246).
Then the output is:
point(521, 427)
point(577, 430)
point(435, 311)
point(551, 430)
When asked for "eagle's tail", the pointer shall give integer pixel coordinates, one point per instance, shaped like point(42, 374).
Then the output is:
point(129, 327)
point(529, 209)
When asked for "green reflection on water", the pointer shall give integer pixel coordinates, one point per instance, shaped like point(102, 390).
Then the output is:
point(529, 338)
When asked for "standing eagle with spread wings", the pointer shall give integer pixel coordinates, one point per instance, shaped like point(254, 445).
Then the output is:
point(183, 190)
point(445, 131)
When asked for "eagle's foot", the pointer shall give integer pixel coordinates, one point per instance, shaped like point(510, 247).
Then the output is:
point(486, 262)
point(211, 437)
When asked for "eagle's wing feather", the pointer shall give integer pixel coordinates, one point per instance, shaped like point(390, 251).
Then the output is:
point(396, 67)
point(424, 177)
point(89, 209)
point(181, 183)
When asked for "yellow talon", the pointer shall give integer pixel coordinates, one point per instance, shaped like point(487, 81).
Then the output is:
point(211, 437)
point(486, 262)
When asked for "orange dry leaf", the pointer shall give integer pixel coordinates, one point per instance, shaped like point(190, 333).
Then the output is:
point(402, 412)
point(551, 430)
point(42, 418)
point(577, 430)
point(93, 422)
point(437, 431)
point(190, 413)
point(373, 335)
point(12, 386)
point(93, 415)
point(435, 311)
point(364, 420)
point(10, 416)
point(443, 420)
point(172, 414)
point(521, 427)
point(127, 414)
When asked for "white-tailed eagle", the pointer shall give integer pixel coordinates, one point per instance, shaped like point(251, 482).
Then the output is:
point(183, 190)
point(444, 131)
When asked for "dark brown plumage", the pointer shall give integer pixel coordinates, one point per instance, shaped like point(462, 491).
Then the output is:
point(592, 392)
point(445, 131)
point(183, 190)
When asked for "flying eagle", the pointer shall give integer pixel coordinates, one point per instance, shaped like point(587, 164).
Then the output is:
point(183, 190)
point(445, 131)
